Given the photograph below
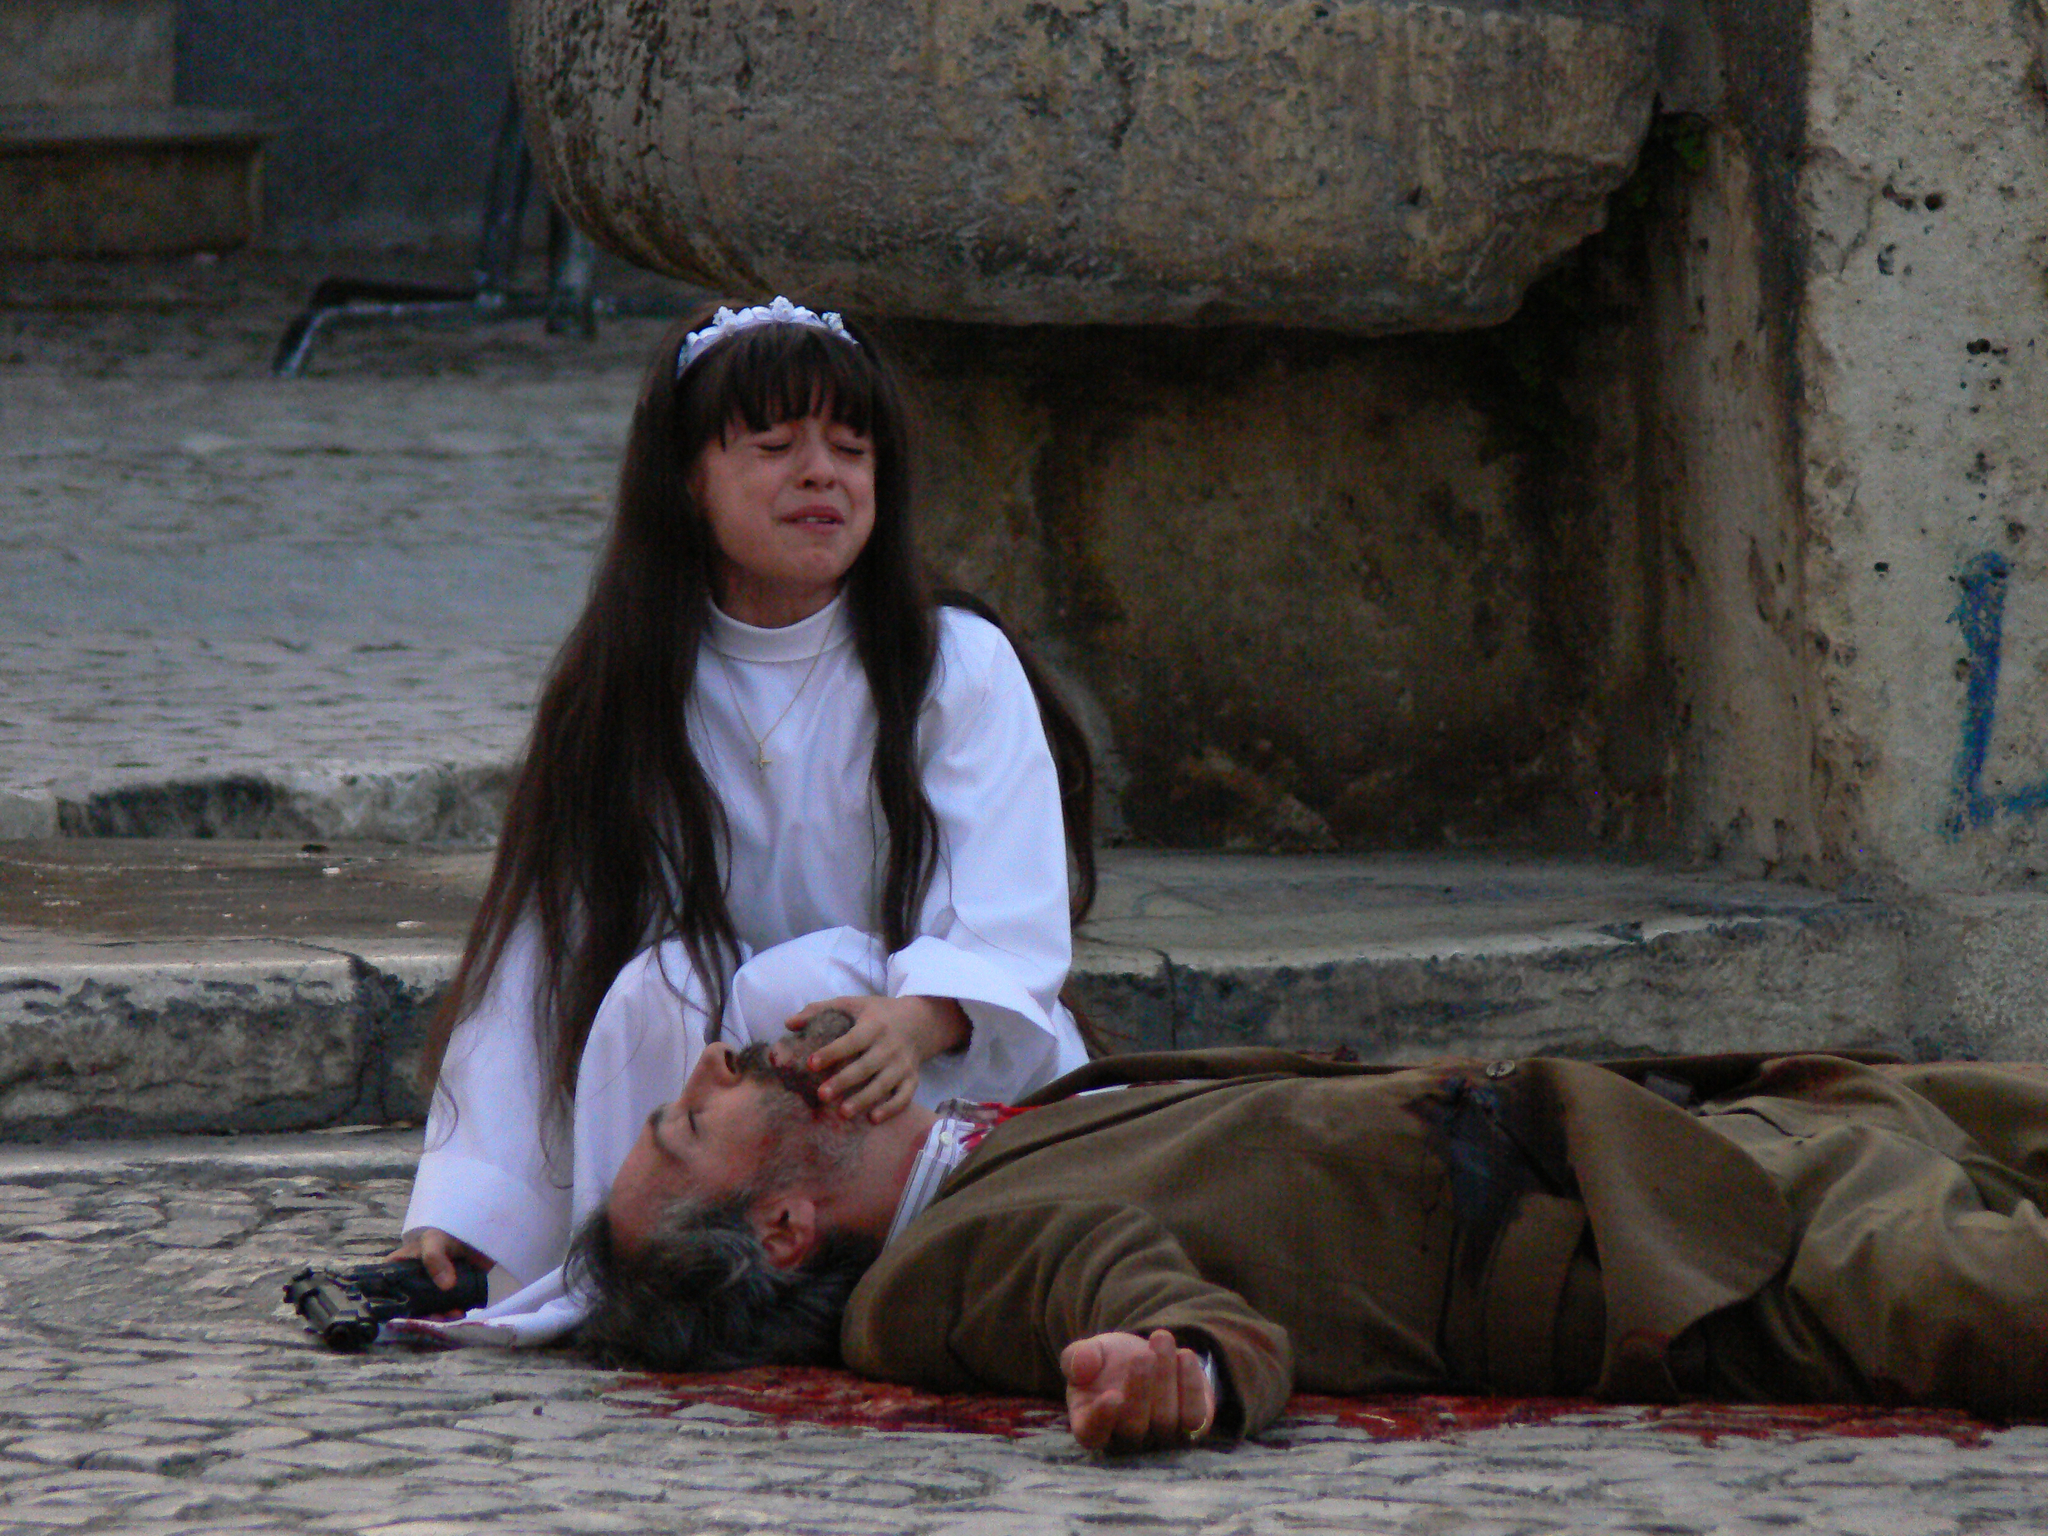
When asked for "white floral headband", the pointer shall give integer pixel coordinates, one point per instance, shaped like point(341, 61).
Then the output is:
point(728, 322)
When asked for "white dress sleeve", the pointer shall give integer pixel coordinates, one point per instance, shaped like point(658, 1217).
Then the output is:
point(485, 1176)
point(785, 980)
point(501, 1171)
point(647, 1035)
point(995, 932)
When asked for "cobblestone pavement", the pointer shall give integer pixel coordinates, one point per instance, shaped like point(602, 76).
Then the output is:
point(211, 571)
point(153, 1382)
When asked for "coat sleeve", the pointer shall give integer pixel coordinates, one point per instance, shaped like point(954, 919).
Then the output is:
point(995, 933)
point(988, 1299)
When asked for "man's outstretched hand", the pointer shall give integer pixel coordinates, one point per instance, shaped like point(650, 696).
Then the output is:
point(1126, 1393)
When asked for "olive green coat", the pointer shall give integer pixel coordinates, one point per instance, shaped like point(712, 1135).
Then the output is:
point(1341, 1229)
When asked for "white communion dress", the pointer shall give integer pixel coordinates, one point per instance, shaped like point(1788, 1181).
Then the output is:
point(782, 722)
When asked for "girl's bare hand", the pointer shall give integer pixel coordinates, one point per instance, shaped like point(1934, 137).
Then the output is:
point(873, 1067)
point(438, 1251)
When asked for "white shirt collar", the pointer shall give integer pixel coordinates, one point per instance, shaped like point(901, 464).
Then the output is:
point(946, 1146)
point(800, 641)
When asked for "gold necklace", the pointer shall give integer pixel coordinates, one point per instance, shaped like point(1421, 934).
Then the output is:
point(761, 757)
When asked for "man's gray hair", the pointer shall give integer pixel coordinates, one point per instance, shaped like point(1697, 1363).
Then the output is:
point(699, 1292)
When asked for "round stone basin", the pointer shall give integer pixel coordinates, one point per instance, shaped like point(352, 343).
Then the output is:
point(1363, 165)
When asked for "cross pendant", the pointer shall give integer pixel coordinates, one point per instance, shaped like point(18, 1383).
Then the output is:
point(761, 760)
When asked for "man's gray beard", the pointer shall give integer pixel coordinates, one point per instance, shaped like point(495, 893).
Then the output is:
point(758, 1061)
point(813, 1137)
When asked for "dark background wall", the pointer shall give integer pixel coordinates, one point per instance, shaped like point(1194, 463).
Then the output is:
point(384, 111)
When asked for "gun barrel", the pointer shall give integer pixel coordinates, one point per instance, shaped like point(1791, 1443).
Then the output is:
point(332, 1309)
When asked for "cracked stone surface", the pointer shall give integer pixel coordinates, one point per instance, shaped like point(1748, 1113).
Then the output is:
point(149, 1386)
point(1375, 164)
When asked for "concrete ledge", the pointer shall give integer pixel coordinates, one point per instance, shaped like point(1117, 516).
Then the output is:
point(212, 987)
point(120, 1040)
point(344, 1152)
point(433, 803)
point(1399, 959)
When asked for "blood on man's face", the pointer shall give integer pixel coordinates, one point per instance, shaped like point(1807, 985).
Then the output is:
point(731, 1121)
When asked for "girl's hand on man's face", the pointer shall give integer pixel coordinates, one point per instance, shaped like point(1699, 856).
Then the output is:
point(872, 1068)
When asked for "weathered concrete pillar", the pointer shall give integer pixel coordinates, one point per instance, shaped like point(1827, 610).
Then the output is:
point(1851, 421)
point(1716, 530)
point(1720, 410)
point(1924, 357)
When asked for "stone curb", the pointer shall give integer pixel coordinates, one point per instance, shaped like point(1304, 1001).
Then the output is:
point(261, 1035)
point(255, 1036)
point(1829, 975)
point(443, 804)
point(348, 1152)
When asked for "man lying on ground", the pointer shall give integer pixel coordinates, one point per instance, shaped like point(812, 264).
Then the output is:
point(1179, 1241)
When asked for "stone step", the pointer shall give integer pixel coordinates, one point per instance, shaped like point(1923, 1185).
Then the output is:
point(128, 181)
point(161, 986)
point(333, 800)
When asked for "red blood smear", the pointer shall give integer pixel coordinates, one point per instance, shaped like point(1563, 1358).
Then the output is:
point(807, 1395)
point(1427, 1418)
point(792, 1394)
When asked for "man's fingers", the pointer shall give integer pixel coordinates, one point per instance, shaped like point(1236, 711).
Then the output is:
point(1141, 1395)
point(1155, 1390)
point(1167, 1399)
point(1094, 1420)
point(1091, 1414)
point(1173, 1402)
point(1081, 1362)
point(1128, 1392)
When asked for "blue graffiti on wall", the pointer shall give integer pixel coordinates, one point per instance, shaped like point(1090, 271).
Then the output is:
point(1980, 614)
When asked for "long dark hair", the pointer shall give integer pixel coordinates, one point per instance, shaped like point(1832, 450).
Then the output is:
point(612, 835)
